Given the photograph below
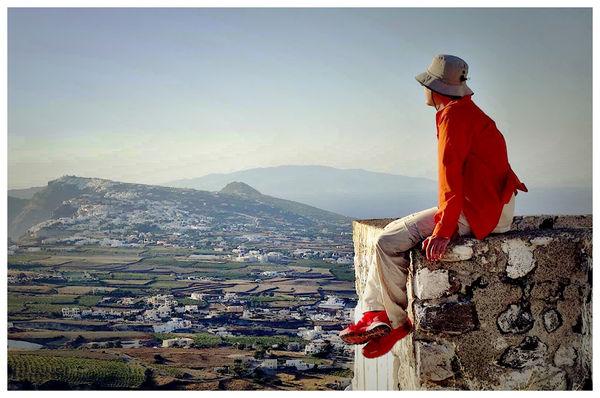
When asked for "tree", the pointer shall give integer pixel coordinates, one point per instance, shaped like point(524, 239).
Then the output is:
point(77, 342)
point(238, 367)
point(258, 375)
point(149, 381)
point(260, 354)
point(325, 350)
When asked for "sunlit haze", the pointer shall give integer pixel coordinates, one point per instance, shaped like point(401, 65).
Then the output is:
point(156, 95)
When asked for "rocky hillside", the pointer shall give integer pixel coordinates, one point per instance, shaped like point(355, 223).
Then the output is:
point(94, 207)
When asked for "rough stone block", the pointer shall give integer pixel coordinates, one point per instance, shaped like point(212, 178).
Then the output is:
point(531, 351)
point(516, 319)
point(520, 258)
point(552, 319)
point(458, 253)
point(565, 356)
point(431, 284)
point(434, 360)
point(447, 317)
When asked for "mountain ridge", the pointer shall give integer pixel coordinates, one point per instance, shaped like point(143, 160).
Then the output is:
point(98, 200)
point(354, 192)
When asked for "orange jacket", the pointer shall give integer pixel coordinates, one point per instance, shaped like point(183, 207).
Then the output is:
point(473, 170)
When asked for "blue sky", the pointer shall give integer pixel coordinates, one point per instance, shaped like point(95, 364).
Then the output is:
point(152, 95)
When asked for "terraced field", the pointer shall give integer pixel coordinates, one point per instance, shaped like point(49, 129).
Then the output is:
point(74, 355)
point(75, 371)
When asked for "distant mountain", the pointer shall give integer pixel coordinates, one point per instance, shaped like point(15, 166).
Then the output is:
point(97, 207)
point(554, 200)
point(242, 189)
point(362, 194)
point(24, 193)
point(353, 192)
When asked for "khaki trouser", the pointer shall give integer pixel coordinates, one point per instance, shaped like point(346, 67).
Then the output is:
point(386, 281)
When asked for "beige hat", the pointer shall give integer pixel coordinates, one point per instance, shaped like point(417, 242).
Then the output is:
point(446, 75)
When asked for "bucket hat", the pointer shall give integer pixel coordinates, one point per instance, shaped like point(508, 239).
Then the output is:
point(446, 75)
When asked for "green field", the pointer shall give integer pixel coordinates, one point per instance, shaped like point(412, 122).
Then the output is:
point(341, 272)
point(47, 304)
point(203, 340)
point(74, 371)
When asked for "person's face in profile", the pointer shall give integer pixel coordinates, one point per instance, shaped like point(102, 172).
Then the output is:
point(428, 96)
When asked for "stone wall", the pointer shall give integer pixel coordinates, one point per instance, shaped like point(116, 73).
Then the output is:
point(511, 312)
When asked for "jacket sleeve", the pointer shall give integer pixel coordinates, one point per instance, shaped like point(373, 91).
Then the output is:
point(454, 142)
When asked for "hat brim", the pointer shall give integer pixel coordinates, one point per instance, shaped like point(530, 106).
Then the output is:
point(435, 84)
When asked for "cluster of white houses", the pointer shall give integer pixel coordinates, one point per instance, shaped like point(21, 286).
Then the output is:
point(318, 339)
point(165, 314)
point(76, 312)
point(274, 364)
point(224, 250)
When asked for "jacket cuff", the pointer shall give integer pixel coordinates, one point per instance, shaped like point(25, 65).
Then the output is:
point(443, 231)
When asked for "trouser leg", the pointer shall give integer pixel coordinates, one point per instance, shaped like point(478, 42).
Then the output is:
point(372, 300)
point(386, 279)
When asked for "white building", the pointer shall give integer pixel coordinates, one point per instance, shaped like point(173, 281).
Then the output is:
point(173, 324)
point(246, 259)
point(182, 342)
point(269, 364)
point(71, 312)
point(197, 296)
point(310, 334)
point(127, 301)
point(162, 299)
point(274, 257)
point(110, 242)
point(151, 315)
point(230, 296)
point(234, 309)
point(314, 347)
point(163, 311)
point(299, 364)
point(333, 303)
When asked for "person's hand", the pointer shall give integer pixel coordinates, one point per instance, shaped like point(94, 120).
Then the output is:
point(435, 247)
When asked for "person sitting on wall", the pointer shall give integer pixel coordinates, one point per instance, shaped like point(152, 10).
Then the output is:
point(476, 195)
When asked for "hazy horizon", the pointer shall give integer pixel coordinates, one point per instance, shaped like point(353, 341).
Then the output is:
point(162, 183)
point(199, 176)
point(155, 95)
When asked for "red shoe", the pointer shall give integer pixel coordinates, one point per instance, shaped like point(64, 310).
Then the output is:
point(381, 345)
point(372, 324)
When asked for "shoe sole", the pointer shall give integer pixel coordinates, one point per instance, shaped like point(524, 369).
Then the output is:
point(360, 338)
point(372, 355)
